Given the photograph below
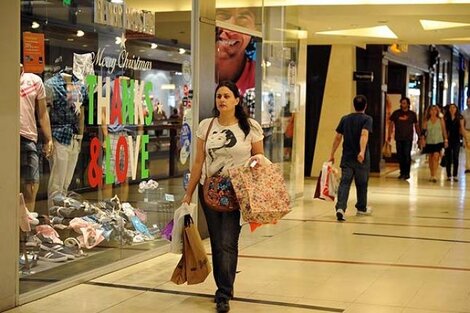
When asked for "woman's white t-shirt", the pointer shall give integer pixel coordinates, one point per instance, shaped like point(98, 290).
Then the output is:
point(226, 146)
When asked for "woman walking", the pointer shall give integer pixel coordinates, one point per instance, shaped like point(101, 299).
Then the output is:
point(455, 131)
point(227, 140)
point(434, 136)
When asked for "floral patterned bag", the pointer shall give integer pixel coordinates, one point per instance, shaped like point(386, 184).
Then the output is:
point(261, 193)
point(219, 194)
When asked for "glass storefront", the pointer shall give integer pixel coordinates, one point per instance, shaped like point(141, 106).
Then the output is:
point(103, 171)
point(266, 72)
point(116, 94)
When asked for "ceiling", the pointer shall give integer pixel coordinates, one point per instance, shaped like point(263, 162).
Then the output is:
point(403, 20)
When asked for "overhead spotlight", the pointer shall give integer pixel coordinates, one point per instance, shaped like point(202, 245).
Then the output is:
point(80, 33)
point(268, 64)
point(117, 1)
point(181, 51)
point(118, 40)
point(153, 46)
point(35, 25)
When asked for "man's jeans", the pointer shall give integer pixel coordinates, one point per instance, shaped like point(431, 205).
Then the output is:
point(360, 173)
point(404, 156)
point(224, 231)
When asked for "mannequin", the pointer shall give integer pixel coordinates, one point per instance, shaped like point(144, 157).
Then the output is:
point(65, 96)
point(32, 98)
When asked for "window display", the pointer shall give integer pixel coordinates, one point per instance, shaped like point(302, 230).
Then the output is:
point(101, 119)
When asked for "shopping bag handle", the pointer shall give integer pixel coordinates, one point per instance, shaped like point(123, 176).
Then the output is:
point(188, 220)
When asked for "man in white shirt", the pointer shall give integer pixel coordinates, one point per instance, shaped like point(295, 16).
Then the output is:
point(466, 116)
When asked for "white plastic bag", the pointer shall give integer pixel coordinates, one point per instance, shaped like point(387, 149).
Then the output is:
point(328, 182)
point(176, 245)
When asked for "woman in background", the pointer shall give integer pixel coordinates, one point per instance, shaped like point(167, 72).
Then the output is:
point(454, 124)
point(434, 137)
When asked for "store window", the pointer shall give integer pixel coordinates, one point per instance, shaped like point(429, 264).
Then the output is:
point(105, 96)
point(258, 47)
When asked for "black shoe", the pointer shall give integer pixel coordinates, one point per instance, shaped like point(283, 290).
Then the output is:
point(467, 171)
point(405, 177)
point(400, 177)
point(223, 306)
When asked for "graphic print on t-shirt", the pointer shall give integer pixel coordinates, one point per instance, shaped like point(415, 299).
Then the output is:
point(218, 143)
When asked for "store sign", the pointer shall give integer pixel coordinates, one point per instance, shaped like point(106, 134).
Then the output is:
point(362, 76)
point(126, 108)
point(122, 61)
point(33, 52)
point(67, 2)
point(120, 16)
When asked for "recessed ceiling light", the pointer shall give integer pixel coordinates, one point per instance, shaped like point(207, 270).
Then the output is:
point(118, 40)
point(434, 25)
point(117, 1)
point(298, 33)
point(80, 33)
point(373, 32)
point(70, 39)
point(153, 46)
point(458, 39)
point(35, 25)
point(181, 51)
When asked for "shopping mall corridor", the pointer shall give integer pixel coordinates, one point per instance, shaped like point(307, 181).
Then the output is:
point(411, 256)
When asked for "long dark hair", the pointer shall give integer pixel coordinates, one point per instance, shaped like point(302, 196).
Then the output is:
point(457, 112)
point(240, 113)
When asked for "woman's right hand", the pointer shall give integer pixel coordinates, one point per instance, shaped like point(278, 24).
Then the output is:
point(186, 199)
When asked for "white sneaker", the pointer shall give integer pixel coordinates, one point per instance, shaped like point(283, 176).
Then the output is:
point(367, 212)
point(340, 215)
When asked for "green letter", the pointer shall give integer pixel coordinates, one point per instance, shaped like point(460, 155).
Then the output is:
point(144, 156)
point(91, 83)
point(147, 89)
point(109, 170)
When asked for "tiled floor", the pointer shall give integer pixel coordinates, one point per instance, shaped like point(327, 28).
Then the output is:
point(411, 256)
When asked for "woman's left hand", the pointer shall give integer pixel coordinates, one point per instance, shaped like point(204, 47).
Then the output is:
point(257, 158)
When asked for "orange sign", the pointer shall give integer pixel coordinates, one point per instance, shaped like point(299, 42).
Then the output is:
point(33, 52)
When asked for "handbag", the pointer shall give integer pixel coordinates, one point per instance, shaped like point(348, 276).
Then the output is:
point(443, 162)
point(218, 191)
point(261, 192)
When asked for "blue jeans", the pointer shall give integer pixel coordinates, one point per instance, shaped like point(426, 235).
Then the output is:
point(360, 173)
point(224, 231)
point(404, 156)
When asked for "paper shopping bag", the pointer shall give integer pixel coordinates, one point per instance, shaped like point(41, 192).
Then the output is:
point(261, 193)
point(179, 274)
point(387, 150)
point(196, 261)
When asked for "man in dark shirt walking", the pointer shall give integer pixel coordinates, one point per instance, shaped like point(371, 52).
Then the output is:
point(355, 160)
point(403, 120)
